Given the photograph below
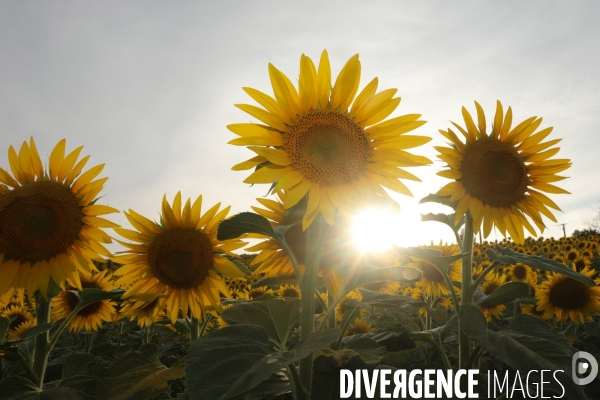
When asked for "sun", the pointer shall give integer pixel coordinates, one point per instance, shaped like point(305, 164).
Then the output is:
point(374, 229)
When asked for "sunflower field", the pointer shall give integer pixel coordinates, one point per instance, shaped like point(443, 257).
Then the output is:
point(274, 303)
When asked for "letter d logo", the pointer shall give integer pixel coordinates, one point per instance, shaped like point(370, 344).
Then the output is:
point(580, 368)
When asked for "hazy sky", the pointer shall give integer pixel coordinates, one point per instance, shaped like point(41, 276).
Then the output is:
point(148, 87)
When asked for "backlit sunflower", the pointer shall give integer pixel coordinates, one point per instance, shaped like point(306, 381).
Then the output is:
point(22, 318)
point(326, 142)
point(343, 306)
point(563, 298)
point(180, 258)
point(91, 316)
point(49, 220)
point(499, 177)
point(359, 326)
point(274, 261)
point(291, 291)
point(432, 282)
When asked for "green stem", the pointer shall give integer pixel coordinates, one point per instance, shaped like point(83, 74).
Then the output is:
point(331, 322)
point(307, 288)
point(42, 340)
point(24, 363)
point(428, 337)
point(476, 352)
point(89, 339)
point(204, 326)
point(345, 325)
point(297, 389)
point(194, 326)
point(292, 258)
point(467, 287)
point(331, 310)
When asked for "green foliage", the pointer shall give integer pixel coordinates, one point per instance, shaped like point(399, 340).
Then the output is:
point(237, 358)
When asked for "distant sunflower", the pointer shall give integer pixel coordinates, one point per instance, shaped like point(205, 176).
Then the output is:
point(359, 326)
point(499, 177)
point(49, 224)
point(565, 298)
point(326, 142)
point(21, 329)
point(91, 316)
point(254, 293)
point(520, 272)
point(180, 259)
point(291, 291)
point(342, 306)
point(432, 282)
point(22, 318)
point(491, 282)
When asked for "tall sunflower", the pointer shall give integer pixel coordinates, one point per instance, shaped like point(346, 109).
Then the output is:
point(499, 176)
point(432, 282)
point(180, 258)
point(49, 219)
point(326, 142)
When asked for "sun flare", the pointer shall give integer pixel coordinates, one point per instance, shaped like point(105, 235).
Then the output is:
point(375, 229)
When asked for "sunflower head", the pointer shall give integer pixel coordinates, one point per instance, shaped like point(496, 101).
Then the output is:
point(498, 177)
point(326, 142)
point(359, 326)
point(180, 258)
point(290, 291)
point(49, 220)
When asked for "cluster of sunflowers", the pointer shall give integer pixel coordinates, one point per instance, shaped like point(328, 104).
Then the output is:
point(327, 150)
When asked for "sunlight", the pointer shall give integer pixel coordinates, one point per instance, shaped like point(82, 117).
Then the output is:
point(375, 229)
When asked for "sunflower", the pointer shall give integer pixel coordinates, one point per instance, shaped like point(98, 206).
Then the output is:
point(499, 177)
point(326, 142)
point(144, 312)
point(527, 308)
point(21, 329)
point(49, 219)
point(180, 259)
point(254, 293)
point(520, 272)
point(342, 306)
point(432, 282)
point(359, 326)
point(491, 282)
point(274, 261)
point(21, 316)
point(91, 316)
point(566, 298)
point(291, 291)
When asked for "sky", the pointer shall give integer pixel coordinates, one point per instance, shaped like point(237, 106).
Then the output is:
point(149, 87)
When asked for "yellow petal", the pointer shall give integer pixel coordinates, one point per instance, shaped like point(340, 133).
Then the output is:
point(167, 214)
point(263, 116)
point(324, 80)
point(480, 118)
point(346, 84)
point(296, 194)
point(364, 97)
point(497, 127)
point(268, 174)
point(307, 84)
point(56, 158)
point(248, 164)
point(275, 156)
point(68, 163)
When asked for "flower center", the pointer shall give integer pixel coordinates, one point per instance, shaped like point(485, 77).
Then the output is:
point(181, 258)
point(519, 272)
point(327, 147)
point(569, 294)
point(493, 172)
point(431, 273)
point(38, 221)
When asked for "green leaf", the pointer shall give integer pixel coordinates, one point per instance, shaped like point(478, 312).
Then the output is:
point(242, 223)
point(276, 281)
point(277, 316)
point(523, 351)
point(446, 219)
point(4, 323)
point(434, 198)
point(438, 313)
point(368, 349)
point(390, 274)
point(88, 296)
point(237, 358)
point(240, 266)
point(139, 375)
point(33, 332)
point(19, 388)
point(508, 256)
point(506, 293)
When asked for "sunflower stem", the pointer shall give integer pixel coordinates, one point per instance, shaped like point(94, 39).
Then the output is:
point(42, 340)
point(89, 339)
point(204, 326)
point(486, 271)
point(467, 287)
point(331, 319)
point(194, 326)
point(307, 289)
point(338, 343)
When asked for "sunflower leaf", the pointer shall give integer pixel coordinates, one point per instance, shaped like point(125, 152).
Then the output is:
point(383, 300)
point(242, 223)
point(248, 356)
point(442, 263)
point(30, 334)
point(139, 375)
point(277, 316)
point(91, 295)
point(4, 323)
point(434, 198)
point(506, 293)
point(507, 256)
point(523, 350)
point(446, 219)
